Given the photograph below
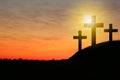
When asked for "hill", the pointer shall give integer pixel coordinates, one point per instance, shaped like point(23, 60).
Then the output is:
point(104, 59)
point(102, 53)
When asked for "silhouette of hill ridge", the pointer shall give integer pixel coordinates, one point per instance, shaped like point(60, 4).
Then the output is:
point(104, 52)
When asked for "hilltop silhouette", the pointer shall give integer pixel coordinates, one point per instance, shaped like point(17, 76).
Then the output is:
point(102, 53)
point(104, 59)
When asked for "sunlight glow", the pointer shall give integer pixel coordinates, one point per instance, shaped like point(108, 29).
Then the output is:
point(88, 19)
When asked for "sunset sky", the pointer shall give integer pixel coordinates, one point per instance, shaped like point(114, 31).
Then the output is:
point(44, 29)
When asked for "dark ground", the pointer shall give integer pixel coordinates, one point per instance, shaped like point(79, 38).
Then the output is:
point(99, 62)
point(63, 69)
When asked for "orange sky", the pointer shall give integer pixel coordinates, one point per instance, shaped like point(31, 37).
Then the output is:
point(44, 29)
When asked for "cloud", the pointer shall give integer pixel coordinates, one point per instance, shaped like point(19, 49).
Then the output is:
point(7, 38)
point(50, 38)
point(34, 17)
point(47, 12)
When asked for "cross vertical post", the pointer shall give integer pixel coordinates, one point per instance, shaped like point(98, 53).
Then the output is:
point(110, 30)
point(93, 26)
point(93, 30)
point(79, 37)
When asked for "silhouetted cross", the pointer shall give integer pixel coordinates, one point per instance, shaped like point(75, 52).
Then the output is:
point(79, 37)
point(110, 30)
point(93, 26)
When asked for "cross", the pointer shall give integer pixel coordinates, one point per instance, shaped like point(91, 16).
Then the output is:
point(79, 37)
point(93, 26)
point(110, 30)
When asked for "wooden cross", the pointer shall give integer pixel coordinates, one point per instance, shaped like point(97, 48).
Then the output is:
point(110, 30)
point(93, 26)
point(79, 37)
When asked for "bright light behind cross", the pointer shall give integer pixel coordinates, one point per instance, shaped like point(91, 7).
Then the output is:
point(88, 19)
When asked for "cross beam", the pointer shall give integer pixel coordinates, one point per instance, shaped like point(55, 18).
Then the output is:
point(93, 27)
point(110, 30)
point(79, 37)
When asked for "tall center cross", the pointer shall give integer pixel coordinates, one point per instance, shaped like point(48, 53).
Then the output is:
point(93, 27)
point(79, 37)
point(110, 30)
